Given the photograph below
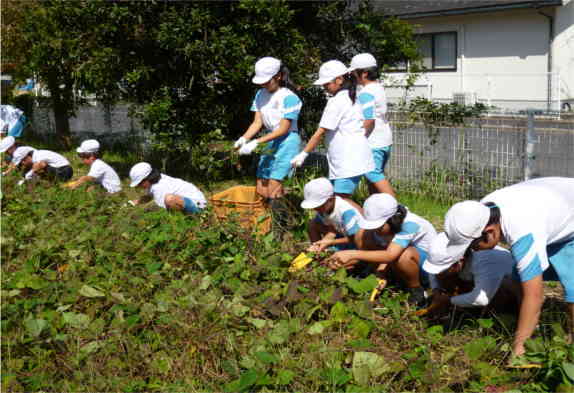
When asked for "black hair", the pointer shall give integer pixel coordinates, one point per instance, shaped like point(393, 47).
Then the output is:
point(372, 73)
point(96, 154)
point(396, 221)
point(285, 80)
point(350, 83)
point(494, 213)
point(154, 176)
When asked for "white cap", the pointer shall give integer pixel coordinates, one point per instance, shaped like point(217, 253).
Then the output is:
point(362, 61)
point(265, 69)
point(317, 192)
point(7, 143)
point(89, 146)
point(377, 209)
point(438, 258)
point(139, 172)
point(20, 153)
point(329, 71)
point(463, 223)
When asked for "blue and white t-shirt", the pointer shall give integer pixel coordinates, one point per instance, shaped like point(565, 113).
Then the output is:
point(535, 214)
point(373, 103)
point(281, 104)
point(172, 185)
point(344, 217)
point(415, 231)
point(9, 116)
point(348, 150)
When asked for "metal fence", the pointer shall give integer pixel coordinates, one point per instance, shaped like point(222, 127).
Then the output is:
point(484, 154)
point(464, 161)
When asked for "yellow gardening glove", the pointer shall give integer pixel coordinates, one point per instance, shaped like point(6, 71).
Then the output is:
point(300, 262)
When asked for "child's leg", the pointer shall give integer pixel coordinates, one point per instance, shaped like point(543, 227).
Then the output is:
point(407, 267)
point(176, 202)
point(262, 185)
point(275, 189)
point(378, 183)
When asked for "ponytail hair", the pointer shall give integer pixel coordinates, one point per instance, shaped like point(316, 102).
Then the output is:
point(350, 84)
point(285, 79)
point(494, 213)
point(154, 176)
point(372, 73)
point(396, 221)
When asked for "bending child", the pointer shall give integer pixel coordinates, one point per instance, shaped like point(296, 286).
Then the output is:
point(166, 191)
point(336, 222)
point(394, 239)
point(44, 163)
point(100, 172)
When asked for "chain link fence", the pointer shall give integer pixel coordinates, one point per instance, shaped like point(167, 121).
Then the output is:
point(465, 161)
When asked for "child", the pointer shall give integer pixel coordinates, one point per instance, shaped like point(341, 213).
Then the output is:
point(483, 277)
point(42, 162)
point(100, 172)
point(536, 218)
point(276, 110)
point(336, 222)
point(348, 152)
point(391, 237)
point(12, 121)
point(373, 103)
point(167, 192)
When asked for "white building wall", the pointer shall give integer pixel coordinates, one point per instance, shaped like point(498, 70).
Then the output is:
point(502, 58)
point(563, 50)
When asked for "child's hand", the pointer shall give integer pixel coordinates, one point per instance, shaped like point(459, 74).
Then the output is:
point(240, 142)
point(344, 259)
point(319, 245)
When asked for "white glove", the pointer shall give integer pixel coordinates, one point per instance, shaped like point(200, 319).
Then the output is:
point(248, 147)
point(298, 160)
point(131, 203)
point(240, 142)
point(29, 175)
point(21, 182)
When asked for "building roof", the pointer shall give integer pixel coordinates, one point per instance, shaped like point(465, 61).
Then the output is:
point(426, 8)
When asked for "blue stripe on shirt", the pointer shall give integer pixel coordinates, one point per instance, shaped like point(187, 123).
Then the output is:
point(365, 98)
point(532, 270)
point(291, 115)
point(348, 217)
point(369, 113)
point(291, 101)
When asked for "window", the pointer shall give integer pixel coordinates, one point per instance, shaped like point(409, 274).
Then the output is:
point(438, 51)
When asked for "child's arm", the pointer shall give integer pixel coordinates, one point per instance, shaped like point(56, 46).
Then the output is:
point(39, 166)
point(315, 140)
point(141, 200)
point(254, 128)
point(10, 168)
point(80, 181)
point(349, 258)
point(283, 129)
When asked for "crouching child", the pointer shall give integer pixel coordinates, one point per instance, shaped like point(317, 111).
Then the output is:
point(168, 192)
point(100, 172)
point(44, 163)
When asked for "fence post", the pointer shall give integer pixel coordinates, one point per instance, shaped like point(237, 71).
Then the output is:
point(529, 156)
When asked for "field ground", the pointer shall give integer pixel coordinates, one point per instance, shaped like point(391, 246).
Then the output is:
point(97, 296)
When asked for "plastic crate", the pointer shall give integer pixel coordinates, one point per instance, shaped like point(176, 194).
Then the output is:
point(247, 206)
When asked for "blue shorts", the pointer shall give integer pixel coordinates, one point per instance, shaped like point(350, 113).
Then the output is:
point(277, 164)
point(16, 131)
point(189, 206)
point(381, 157)
point(346, 186)
point(561, 257)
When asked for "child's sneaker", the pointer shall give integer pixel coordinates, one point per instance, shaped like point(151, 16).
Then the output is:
point(417, 297)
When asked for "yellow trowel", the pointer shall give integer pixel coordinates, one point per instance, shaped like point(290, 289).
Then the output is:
point(300, 262)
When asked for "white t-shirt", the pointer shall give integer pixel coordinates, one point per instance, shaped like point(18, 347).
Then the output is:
point(281, 104)
point(344, 217)
point(53, 159)
point(172, 185)
point(487, 268)
point(9, 116)
point(373, 103)
point(106, 176)
point(415, 231)
point(535, 214)
point(348, 150)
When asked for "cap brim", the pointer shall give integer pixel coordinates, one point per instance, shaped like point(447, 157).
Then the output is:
point(351, 69)
point(259, 80)
point(432, 268)
point(135, 183)
point(80, 150)
point(310, 204)
point(458, 250)
point(321, 82)
point(371, 224)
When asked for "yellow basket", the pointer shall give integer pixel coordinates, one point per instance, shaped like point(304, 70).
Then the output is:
point(246, 204)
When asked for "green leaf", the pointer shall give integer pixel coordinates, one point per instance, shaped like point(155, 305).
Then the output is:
point(35, 326)
point(367, 365)
point(338, 312)
point(76, 320)
point(88, 291)
point(336, 376)
point(363, 286)
point(319, 327)
point(479, 347)
point(485, 323)
point(568, 370)
point(257, 322)
point(91, 347)
point(247, 379)
point(266, 357)
point(284, 377)
point(205, 283)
